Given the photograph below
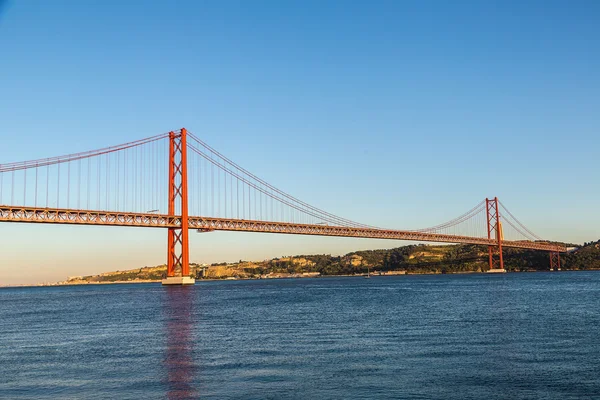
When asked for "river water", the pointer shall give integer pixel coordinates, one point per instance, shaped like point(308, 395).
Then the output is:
point(423, 337)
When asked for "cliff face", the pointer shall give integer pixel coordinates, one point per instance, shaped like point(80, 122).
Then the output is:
point(409, 259)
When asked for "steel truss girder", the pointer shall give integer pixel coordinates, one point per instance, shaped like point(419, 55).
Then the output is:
point(85, 217)
point(110, 218)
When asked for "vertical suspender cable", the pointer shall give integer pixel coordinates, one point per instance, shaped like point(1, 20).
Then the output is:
point(218, 190)
point(212, 188)
point(25, 187)
point(133, 180)
point(68, 184)
point(199, 184)
point(125, 181)
point(58, 188)
point(118, 155)
point(88, 183)
point(36, 187)
point(47, 182)
point(143, 167)
point(98, 183)
point(79, 184)
point(107, 181)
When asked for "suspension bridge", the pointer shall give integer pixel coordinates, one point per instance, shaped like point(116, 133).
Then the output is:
point(178, 182)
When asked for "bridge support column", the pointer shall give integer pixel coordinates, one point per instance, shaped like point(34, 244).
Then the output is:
point(494, 228)
point(554, 261)
point(178, 260)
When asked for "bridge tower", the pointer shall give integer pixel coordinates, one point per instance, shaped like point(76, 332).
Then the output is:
point(494, 229)
point(178, 256)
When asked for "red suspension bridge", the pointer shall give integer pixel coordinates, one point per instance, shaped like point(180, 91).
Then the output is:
point(177, 182)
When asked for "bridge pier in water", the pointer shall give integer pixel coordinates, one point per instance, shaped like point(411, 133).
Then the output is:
point(178, 252)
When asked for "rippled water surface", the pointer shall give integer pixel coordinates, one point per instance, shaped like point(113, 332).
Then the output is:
point(424, 337)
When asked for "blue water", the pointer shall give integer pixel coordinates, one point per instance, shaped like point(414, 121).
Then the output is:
point(423, 337)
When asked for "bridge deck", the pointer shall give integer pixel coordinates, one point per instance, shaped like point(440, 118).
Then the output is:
point(113, 218)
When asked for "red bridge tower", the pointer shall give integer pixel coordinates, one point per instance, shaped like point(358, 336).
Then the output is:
point(178, 252)
point(494, 229)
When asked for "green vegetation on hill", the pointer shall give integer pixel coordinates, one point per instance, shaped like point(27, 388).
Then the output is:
point(587, 257)
point(412, 259)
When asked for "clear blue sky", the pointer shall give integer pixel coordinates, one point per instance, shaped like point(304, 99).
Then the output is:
point(393, 113)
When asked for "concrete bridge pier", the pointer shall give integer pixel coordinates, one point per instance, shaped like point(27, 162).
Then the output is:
point(178, 280)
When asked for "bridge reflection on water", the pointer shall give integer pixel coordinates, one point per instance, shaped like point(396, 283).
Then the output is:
point(178, 359)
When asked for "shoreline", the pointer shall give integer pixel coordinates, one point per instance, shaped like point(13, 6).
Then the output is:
point(62, 284)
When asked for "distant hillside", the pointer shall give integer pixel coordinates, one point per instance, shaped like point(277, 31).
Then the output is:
point(413, 259)
point(586, 257)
